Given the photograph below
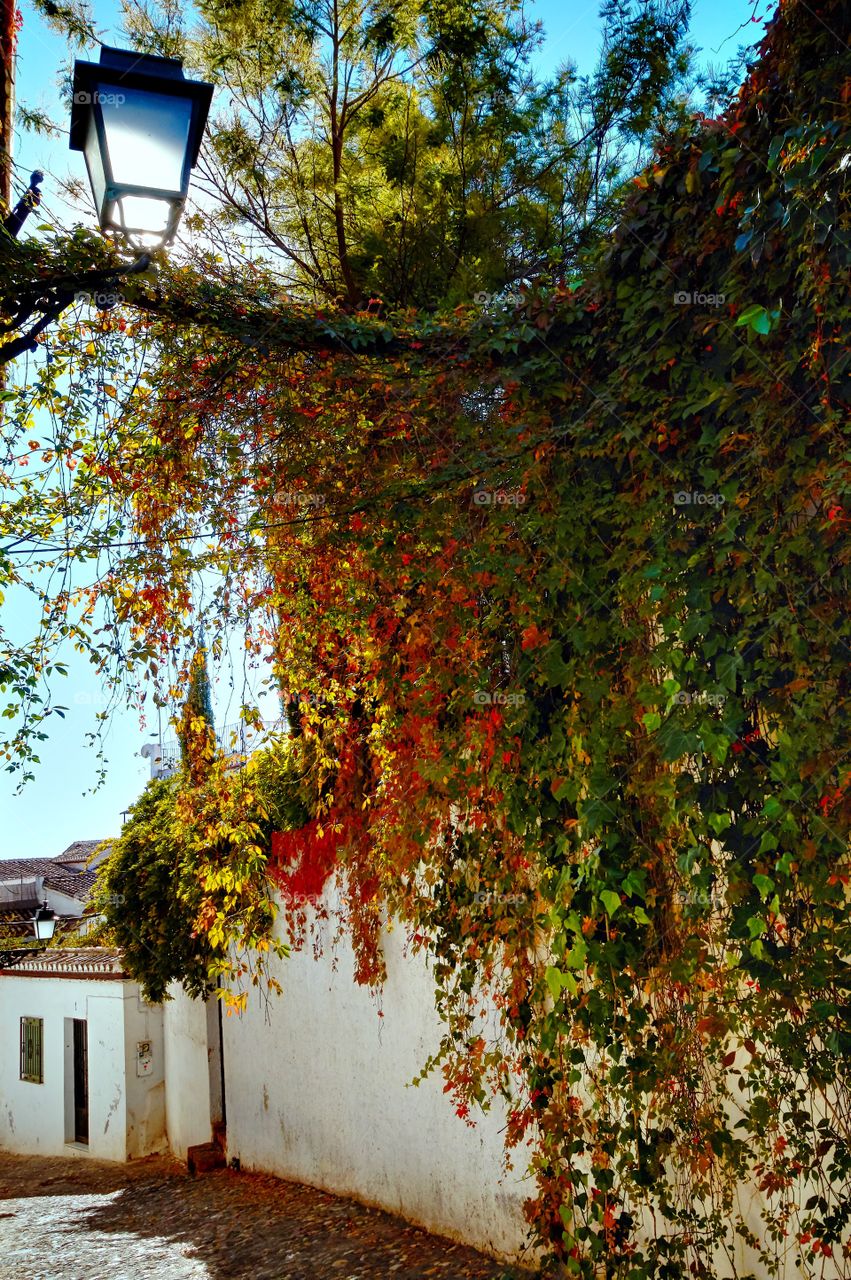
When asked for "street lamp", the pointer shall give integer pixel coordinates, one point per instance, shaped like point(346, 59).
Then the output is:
point(44, 923)
point(139, 123)
point(44, 926)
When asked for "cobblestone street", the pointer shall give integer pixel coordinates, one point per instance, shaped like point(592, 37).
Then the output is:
point(78, 1219)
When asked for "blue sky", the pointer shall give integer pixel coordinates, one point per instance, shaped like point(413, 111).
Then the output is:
point(59, 806)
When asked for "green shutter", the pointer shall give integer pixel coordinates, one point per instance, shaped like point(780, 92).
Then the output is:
point(32, 1058)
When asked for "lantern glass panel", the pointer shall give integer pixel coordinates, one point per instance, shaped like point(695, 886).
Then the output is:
point(94, 163)
point(141, 215)
point(147, 137)
point(44, 927)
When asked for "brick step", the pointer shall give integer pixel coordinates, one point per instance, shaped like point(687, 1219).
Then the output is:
point(204, 1158)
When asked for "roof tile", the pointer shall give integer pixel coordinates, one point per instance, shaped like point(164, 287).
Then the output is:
point(25, 868)
point(79, 851)
point(76, 884)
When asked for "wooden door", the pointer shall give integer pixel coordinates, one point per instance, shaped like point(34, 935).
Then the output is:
point(81, 1081)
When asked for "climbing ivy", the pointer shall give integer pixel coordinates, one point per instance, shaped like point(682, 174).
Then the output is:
point(555, 594)
point(183, 891)
point(144, 902)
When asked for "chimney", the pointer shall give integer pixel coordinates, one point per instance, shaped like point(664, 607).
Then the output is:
point(153, 751)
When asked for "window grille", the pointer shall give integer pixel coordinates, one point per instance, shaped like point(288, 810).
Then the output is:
point(32, 1055)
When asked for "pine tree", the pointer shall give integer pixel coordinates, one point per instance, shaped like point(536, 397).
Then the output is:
point(197, 725)
point(406, 150)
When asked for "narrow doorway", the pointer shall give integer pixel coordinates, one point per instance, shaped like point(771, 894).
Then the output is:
point(81, 1081)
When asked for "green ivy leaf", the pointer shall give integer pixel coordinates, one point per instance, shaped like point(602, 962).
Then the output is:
point(610, 900)
point(558, 981)
point(764, 884)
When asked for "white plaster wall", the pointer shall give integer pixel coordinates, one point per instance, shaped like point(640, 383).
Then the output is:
point(187, 1078)
point(32, 1116)
point(318, 1093)
point(107, 1092)
point(146, 1115)
point(62, 903)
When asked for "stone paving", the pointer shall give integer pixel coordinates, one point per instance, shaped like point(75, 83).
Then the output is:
point(78, 1219)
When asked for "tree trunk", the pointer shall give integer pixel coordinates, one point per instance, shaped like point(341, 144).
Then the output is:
point(7, 84)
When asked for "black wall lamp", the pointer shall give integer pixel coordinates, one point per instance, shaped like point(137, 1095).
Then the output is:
point(44, 926)
point(139, 123)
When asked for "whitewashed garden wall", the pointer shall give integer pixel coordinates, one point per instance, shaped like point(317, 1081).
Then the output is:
point(317, 1090)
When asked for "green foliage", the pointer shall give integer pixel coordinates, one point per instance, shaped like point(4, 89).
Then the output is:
point(558, 597)
point(197, 714)
point(407, 152)
point(149, 905)
point(185, 881)
point(74, 20)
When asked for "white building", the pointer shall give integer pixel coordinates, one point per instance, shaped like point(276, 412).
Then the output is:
point(63, 882)
point(81, 1059)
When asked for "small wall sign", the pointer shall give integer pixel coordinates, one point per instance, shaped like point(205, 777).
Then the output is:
point(144, 1058)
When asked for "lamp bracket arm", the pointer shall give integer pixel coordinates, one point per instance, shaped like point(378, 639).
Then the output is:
point(30, 200)
point(51, 297)
point(11, 956)
point(27, 341)
point(81, 281)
